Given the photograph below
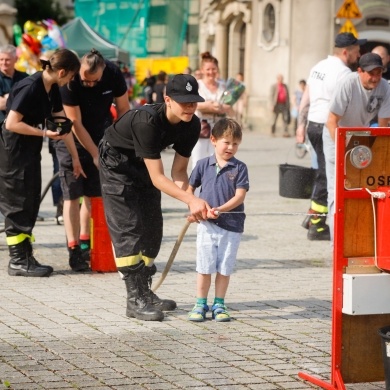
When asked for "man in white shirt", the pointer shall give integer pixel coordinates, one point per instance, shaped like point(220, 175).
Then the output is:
point(314, 110)
point(357, 100)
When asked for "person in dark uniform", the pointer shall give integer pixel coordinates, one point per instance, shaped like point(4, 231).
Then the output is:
point(87, 102)
point(159, 87)
point(30, 102)
point(132, 178)
point(8, 75)
point(148, 84)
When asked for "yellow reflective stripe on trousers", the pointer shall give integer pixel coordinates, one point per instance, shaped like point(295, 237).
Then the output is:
point(15, 240)
point(148, 260)
point(127, 261)
point(318, 208)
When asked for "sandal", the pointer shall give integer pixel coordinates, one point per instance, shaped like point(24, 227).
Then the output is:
point(198, 313)
point(220, 313)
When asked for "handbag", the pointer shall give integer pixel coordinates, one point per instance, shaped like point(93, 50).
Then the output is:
point(205, 129)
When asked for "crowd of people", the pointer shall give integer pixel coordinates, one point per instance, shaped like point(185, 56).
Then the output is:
point(118, 157)
point(345, 89)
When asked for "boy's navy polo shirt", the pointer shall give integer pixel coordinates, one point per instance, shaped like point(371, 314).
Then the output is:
point(218, 188)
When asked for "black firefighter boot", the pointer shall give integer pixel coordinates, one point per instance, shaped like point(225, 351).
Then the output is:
point(23, 263)
point(138, 301)
point(161, 304)
point(318, 229)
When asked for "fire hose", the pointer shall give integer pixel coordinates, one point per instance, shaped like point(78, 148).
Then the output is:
point(172, 256)
point(183, 233)
point(180, 236)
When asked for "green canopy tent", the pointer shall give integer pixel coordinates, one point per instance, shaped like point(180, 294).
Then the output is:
point(81, 38)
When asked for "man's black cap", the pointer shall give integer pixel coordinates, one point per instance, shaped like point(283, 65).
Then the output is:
point(370, 61)
point(348, 39)
point(183, 88)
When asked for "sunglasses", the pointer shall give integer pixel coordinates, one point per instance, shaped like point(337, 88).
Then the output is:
point(89, 83)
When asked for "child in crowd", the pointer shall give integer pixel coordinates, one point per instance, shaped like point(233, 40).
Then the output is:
point(224, 183)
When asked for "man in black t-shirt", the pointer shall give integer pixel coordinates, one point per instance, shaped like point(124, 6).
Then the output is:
point(132, 178)
point(8, 75)
point(87, 102)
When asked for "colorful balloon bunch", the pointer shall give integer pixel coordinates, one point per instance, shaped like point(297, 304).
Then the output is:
point(37, 40)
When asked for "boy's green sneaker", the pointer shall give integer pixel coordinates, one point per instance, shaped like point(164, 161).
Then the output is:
point(198, 313)
point(220, 313)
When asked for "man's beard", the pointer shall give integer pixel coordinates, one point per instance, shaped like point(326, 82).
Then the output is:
point(354, 66)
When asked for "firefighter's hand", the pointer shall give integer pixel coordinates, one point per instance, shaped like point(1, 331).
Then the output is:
point(213, 213)
point(198, 209)
point(54, 135)
point(96, 161)
point(191, 218)
point(77, 168)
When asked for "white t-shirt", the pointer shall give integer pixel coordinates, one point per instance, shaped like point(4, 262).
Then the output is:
point(207, 95)
point(323, 80)
point(358, 106)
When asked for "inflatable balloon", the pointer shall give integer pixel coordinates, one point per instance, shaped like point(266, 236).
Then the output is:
point(27, 61)
point(55, 32)
point(37, 39)
point(32, 43)
point(48, 43)
point(17, 34)
point(35, 30)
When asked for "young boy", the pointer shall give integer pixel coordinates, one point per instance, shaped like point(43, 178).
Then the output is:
point(224, 184)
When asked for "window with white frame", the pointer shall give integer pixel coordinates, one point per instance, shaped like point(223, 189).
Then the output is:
point(268, 34)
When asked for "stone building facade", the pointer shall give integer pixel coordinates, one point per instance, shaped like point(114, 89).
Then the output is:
point(263, 38)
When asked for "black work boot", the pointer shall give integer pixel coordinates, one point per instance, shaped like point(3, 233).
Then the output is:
point(76, 261)
point(138, 302)
point(306, 222)
point(30, 252)
point(161, 304)
point(318, 230)
point(23, 263)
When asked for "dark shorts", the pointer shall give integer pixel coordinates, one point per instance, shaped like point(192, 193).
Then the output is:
point(73, 188)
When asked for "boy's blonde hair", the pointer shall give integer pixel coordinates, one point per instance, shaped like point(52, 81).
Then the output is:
point(227, 127)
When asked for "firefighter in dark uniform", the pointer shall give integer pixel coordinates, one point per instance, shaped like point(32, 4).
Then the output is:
point(87, 102)
point(30, 102)
point(132, 178)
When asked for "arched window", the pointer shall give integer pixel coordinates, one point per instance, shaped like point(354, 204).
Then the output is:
point(269, 23)
point(269, 15)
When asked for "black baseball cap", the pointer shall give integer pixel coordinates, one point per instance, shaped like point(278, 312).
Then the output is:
point(348, 39)
point(370, 61)
point(183, 88)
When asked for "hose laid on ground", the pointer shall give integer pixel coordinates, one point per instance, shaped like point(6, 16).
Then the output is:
point(183, 232)
point(172, 256)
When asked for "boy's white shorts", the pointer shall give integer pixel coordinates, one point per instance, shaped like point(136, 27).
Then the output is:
point(216, 249)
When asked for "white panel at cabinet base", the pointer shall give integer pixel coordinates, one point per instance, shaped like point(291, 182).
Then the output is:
point(366, 294)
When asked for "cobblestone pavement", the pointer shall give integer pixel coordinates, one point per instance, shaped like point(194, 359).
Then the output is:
point(70, 331)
